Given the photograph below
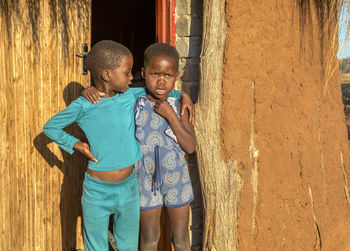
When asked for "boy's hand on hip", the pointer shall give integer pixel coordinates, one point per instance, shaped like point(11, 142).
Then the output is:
point(84, 148)
point(164, 109)
point(92, 94)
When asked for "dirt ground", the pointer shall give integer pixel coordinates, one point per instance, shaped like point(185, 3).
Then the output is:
point(283, 122)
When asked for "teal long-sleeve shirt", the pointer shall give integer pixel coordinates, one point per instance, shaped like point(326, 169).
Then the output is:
point(108, 125)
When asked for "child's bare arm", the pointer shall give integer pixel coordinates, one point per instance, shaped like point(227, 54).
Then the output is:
point(187, 104)
point(182, 129)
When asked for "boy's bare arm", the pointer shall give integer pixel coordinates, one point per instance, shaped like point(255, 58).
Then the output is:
point(182, 129)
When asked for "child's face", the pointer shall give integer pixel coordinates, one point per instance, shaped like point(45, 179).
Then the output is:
point(160, 76)
point(120, 77)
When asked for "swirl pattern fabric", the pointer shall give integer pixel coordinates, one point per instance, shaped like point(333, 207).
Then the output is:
point(162, 172)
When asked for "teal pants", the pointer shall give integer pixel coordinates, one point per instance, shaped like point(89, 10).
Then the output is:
point(100, 200)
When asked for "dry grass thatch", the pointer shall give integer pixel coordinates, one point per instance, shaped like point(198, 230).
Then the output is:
point(328, 16)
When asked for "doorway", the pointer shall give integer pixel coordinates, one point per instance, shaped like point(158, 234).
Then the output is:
point(136, 24)
point(131, 23)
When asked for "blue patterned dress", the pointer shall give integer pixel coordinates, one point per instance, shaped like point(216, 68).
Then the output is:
point(162, 172)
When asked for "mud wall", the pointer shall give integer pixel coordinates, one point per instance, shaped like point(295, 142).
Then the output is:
point(282, 122)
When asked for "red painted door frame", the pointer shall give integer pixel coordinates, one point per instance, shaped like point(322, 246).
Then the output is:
point(166, 33)
point(165, 21)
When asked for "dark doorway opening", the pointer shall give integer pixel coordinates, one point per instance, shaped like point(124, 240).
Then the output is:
point(131, 23)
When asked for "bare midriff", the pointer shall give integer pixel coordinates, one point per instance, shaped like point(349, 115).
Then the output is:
point(111, 176)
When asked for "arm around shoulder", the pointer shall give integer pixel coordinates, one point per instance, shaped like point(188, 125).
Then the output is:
point(138, 91)
point(176, 94)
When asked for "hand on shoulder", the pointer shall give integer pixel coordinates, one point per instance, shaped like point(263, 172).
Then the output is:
point(92, 94)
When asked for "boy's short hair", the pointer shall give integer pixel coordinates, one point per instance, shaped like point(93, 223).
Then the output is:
point(105, 55)
point(160, 49)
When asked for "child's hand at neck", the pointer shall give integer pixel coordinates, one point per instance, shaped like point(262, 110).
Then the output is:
point(164, 109)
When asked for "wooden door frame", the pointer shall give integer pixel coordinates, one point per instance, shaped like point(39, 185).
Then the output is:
point(165, 21)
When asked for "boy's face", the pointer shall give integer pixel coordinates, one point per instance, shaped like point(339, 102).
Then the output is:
point(160, 75)
point(120, 78)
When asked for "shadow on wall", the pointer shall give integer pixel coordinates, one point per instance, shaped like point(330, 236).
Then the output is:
point(73, 168)
point(196, 205)
point(344, 66)
point(346, 101)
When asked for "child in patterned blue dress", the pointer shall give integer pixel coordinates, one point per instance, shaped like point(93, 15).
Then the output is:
point(164, 137)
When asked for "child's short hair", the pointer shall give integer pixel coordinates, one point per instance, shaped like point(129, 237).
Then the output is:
point(160, 49)
point(105, 55)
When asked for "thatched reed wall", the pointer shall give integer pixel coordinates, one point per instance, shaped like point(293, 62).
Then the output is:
point(40, 186)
